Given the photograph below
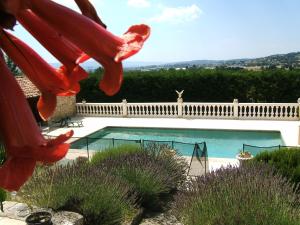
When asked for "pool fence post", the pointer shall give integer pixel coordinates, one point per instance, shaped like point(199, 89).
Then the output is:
point(236, 108)
point(124, 105)
point(205, 158)
point(87, 147)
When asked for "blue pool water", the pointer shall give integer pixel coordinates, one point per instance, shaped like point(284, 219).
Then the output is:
point(220, 143)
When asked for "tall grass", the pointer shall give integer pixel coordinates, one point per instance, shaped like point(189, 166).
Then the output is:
point(248, 195)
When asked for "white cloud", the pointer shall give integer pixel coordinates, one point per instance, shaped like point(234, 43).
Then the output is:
point(178, 15)
point(138, 3)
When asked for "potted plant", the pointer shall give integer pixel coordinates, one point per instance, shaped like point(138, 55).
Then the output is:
point(244, 155)
point(39, 218)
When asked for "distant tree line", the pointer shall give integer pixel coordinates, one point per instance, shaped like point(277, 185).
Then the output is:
point(199, 85)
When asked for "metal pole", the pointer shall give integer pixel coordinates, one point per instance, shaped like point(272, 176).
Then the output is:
point(206, 156)
point(87, 147)
point(191, 159)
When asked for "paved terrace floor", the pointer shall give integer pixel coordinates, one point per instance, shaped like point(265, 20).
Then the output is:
point(289, 130)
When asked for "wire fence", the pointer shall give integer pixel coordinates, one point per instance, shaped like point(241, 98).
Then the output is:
point(197, 152)
point(100, 144)
point(254, 150)
point(93, 144)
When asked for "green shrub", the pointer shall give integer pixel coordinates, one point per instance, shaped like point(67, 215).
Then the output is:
point(217, 85)
point(114, 152)
point(248, 195)
point(152, 175)
point(100, 198)
point(286, 161)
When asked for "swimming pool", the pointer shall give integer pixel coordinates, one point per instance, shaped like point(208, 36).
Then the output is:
point(220, 143)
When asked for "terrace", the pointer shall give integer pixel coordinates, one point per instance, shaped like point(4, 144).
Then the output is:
point(282, 117)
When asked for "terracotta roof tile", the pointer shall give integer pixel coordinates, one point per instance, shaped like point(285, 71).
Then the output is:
point(27, 87)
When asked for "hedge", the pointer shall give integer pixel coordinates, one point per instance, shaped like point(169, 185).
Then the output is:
point(200, 85)
point(286, 161)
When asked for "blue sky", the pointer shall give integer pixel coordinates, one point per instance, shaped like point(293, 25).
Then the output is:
point(200, 29)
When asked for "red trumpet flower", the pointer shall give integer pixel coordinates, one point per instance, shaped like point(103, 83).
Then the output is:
point(89, 11)
point(72, 38)
point(65, 51)
point(24, 144)
point(62, 49)
point(12, 6)
point(49, 81)
point(93, 39)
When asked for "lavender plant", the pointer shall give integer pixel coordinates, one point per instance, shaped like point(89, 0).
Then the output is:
point(253, 194)
point(99, 197)
point(152, 174)
point(114, 152)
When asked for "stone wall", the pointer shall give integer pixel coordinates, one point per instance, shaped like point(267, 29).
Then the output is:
point(66, 106)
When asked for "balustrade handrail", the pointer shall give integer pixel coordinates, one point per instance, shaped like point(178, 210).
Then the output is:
point(92, 104)
point(222, 110)
point(154, 103)
point(208, 103)
point(270, 104)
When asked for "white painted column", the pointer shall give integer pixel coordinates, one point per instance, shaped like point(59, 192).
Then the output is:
point(299, 136)
point(124, 104)
point(298, 109)
point(236, 108)
point(180, 106)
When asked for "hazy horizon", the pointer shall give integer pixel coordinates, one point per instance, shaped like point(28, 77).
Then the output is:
point(129, 63)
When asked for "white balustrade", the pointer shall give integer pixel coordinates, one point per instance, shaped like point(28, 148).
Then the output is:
point(208, 110)
point(180, 109)
point(269, 111)
point(100, 109)
point(152, 109)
